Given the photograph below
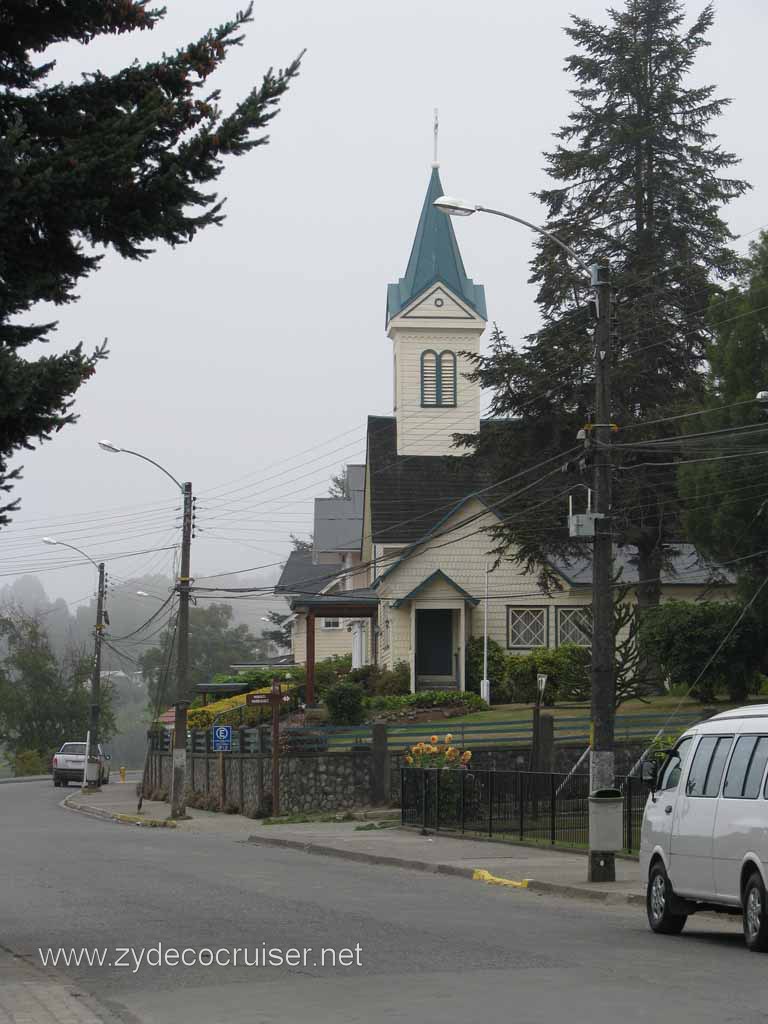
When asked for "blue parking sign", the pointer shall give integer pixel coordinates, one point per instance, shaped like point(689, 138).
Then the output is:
point(222, 738)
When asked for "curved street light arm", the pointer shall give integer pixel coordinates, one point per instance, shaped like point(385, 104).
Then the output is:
point(157, 464)
point(63, 544)
point(542, 231)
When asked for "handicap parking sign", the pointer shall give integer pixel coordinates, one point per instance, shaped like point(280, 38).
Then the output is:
point(222, 737)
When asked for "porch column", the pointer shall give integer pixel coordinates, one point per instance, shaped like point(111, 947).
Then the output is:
point(413, 648)
point(310, 687)
point(462, 644)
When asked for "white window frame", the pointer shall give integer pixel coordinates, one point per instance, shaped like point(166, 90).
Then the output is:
point(543, 610)
point(336, 621)
point(567, 612)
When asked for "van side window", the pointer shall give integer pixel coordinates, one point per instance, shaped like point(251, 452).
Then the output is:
point(737, 770)
point(756, 769)
point(697, 774)
point(670, 775)
point(716, 766)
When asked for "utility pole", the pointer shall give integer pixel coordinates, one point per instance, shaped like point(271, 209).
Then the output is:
point(96, 677)
point(601, 765)
point(276, 700)
point(179, 783)
point(603, 683)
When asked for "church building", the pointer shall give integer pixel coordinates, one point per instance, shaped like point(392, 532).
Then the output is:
point(413, 572)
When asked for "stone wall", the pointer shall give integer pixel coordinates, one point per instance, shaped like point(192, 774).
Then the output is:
point(308, 782)
point(335, 781)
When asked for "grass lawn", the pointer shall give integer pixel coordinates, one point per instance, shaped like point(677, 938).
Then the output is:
point(522, 712)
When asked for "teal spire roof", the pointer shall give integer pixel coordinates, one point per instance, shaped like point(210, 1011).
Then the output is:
point(435, 257)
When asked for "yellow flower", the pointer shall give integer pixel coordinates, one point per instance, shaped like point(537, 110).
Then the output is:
point(408, 759)
point(448, 737)
point(466, 756)
point(433, 739)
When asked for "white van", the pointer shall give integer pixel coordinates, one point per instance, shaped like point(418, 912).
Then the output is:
point(704, 842)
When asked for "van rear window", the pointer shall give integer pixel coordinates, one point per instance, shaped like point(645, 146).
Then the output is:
point(73, 748)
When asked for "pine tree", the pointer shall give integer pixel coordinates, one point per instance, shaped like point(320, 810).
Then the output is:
point(118, 162)
point(638, 180)
point(726, 501)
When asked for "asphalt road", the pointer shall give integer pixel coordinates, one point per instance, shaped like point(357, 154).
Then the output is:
point(432, 948)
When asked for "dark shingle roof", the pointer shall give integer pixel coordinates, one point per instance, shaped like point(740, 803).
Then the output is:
point(300, 575)
point(685, 568)
point(410, 494)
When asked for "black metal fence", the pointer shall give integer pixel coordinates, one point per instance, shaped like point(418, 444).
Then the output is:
point(544, 807)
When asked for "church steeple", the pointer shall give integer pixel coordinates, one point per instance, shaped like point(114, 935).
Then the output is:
point(435, 317)
point(435, 258)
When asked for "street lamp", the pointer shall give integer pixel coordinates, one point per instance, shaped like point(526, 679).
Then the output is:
point(92, 738)
point(461, 208)
point(183, 586)
point(598, 435)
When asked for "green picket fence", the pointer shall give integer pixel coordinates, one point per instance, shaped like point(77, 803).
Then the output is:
point(512, 732)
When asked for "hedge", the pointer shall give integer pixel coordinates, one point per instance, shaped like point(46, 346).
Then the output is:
point(233, 710)
point(427, 699)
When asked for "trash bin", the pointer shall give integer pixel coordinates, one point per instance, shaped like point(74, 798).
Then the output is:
point(605, 820)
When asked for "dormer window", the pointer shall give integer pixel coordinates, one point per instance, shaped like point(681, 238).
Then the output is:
point(438, 379)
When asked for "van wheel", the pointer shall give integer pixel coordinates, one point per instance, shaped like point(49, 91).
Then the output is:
point(56, 783)
point(755, 916)
point(658, 902)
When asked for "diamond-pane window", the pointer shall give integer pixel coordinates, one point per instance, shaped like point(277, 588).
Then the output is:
point(574, 626)
point(527, 627)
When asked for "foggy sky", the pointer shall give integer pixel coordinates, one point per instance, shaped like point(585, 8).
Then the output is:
point(265, 338)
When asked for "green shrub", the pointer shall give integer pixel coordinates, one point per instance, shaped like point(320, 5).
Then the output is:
point(28, 762)
point(567, 669)
point(685, 636)
point(345, 703)
point(520, 677)
point(497, 666)
point(330, 671)
point(427, 699)
point(394, 683)
point(364, 676)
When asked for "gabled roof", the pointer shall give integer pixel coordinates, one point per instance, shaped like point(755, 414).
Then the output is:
point(410, 494)
point(438, 574)
point(300, 575)
point(434, 257)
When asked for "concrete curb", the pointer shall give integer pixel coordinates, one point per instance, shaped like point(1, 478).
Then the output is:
point(476, 874)
point(123, 819)
point(25, 778)
point(362, 858)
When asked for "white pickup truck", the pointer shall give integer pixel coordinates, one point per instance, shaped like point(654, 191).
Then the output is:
point(69, 762)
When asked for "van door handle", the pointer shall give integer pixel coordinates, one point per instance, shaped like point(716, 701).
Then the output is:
point(668, 809)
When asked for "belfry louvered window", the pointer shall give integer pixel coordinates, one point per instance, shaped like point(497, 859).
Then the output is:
point(429, 395)
point(438, 378)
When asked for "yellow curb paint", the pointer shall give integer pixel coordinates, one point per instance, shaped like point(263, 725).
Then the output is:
point(481, 875)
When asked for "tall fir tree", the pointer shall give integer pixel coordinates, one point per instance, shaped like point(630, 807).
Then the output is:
point(119, 161)
point(726, 498)
point(638, 180)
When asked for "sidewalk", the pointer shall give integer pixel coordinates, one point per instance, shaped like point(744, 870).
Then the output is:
point(540, 869)
point(31, 995)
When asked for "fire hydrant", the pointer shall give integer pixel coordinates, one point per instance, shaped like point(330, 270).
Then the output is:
point(122, 773)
